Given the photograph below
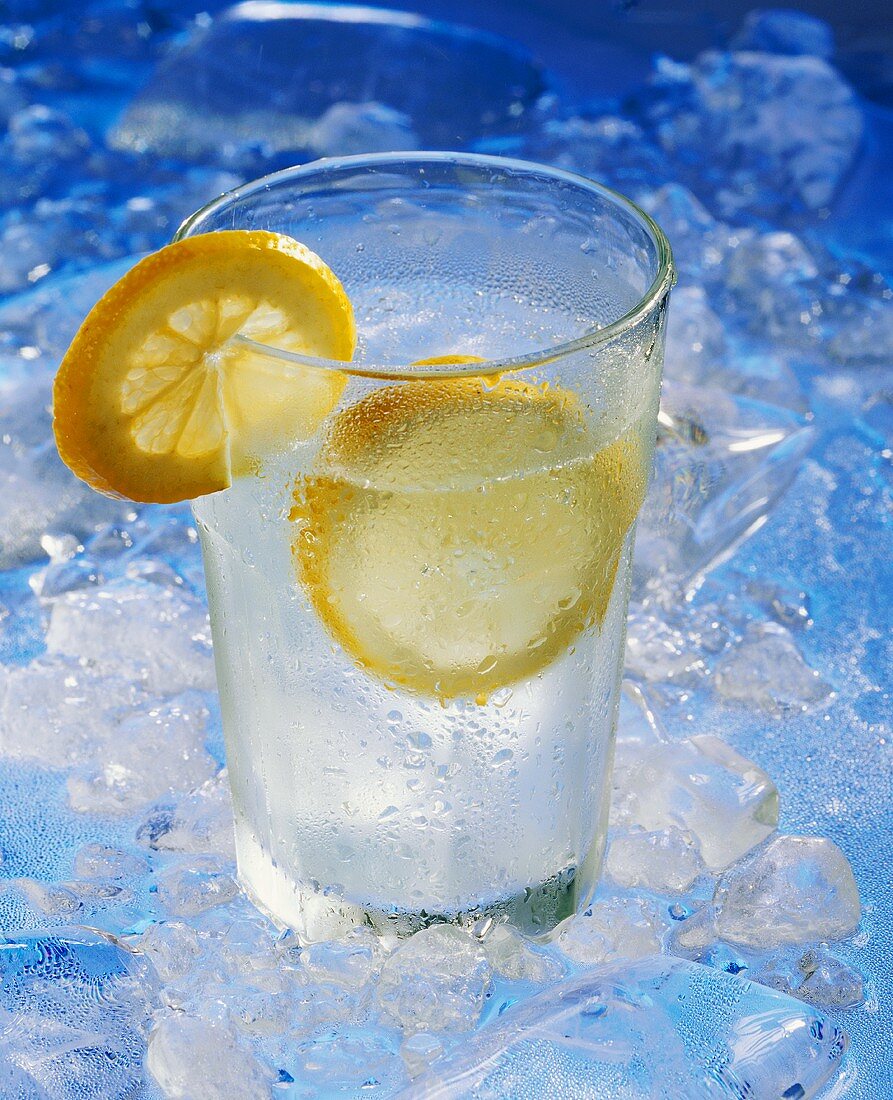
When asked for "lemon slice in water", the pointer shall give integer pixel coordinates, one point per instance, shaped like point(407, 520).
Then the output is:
point(458, 535)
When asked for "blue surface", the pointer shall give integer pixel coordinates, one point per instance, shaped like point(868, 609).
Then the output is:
point(830, 536)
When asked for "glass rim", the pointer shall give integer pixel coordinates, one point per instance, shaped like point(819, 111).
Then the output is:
point(663, 280)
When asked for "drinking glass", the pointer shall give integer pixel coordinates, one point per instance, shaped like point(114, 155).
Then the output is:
point(419, 610)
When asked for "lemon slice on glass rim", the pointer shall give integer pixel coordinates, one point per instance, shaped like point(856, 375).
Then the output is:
point(157, 399)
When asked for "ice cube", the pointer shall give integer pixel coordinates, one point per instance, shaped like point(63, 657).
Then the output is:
point(793, 889)
point(39, 134)
point(722, 463)
point(610, 929)
point(200, 821)
point(156, 636)
point(814, 975)
point(696, 349)
point(155, 752)
point(189, 1058)
point(609, 148)
point(436, 981)
point(786, 603)
point(258, 1012)
point(700, 785)
point(172, 946)
point(38, 494)
point(699, 241)
point(39, 145)
point(80, 1003)
point(101, 861)
point(772, 283)
point(50, 898)
point(782, 131)
point(12, 95)
point(349, 1060)
point(659, 1028)
point(768, 671)
point(257, 80)
point(43, 323)
point(656, 650)
point(828, 981)
point(419, 1050)
point(783, 30)
point(15, 1082)
point(864, 337)
point(62, 577)
point(665, 861)
point(352, 961)
point(511, 955)
point(57, 712)
point(189, 889)
point(350, 128)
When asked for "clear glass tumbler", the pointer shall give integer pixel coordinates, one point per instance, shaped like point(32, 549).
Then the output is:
point(419, 613)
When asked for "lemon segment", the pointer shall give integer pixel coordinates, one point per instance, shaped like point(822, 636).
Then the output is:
point(164, 394)
point(458, 535)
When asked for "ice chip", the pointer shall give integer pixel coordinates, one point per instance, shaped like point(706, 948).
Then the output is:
point(608, 148)
point(189, 1057)
point(696, 350)
point(436, 981)
point(350, 128)
point(815, 975)
point(100, 861)
point(419, 1050)
point(200, 822)
point(511, 955)
point(12, 95)
point(38, 133)
point(352, 961)
point(700, 785)
point(80, 1002)
point(782, 131)
point(829, 982)
point(768, 671)
point(158, 750)
point(865, 337)
point(611, 929)
point(38, 494)
point(153, 635)
point(172, 946)
point(62, 577)
point(350, 1060)
point(51, 898)
point(665, 861)
point(659, 1028)
point(192, 888)
point(772, 283)
point(787, 604)
point(793, 889)
point(722, 463)
point(699, 241)
point(657, 651)
point(57, 712)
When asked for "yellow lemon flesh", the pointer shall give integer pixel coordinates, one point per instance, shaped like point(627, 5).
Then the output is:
point(158, 398)
point(458, 535)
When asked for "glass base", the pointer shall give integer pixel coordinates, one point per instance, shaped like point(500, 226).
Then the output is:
point(321, 914)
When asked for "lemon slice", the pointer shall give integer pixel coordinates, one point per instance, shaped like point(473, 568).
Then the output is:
point(458, 535)
point(158, 399)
